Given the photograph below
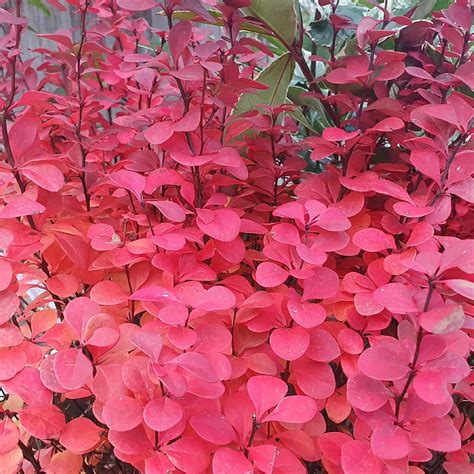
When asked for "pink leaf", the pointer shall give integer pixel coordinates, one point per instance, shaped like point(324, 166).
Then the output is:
point(373, 240)
point(78, 312)
point(443, 319)
point(315, 379)
point(269, 275)
point(189, 455)
point(129, 180)
point(6, 274)
point(72, 368)
point(265, 392)
point(438, 434)
point(390, 442)
point(9, 435)
point(108, 293)
point(12, 360)
point(396, 297)
point(294, 409)
point(357, 458)
point(365, 393)
point(387, 360)
point(196, 364)
point(178, 38)
point(159, 133)
point(231, 462)
point(461, 287)
point(289, 344)
point(324, 283)
point(149, 342)
point(323, 347)
point(21, 206)
point(137, 5)
point(222, 224)
point(212, 426)
point(46, 176)
point(163, 413)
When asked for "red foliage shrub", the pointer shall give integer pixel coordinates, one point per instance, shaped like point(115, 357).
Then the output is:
point(180, 291)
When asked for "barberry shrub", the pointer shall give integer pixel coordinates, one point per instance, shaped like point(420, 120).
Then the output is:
point(239, 244)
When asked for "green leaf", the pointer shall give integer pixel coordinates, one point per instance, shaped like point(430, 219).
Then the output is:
point(297, 96)
point(279, 15)
point(321, 32)
point(277, 76)
point(423, 9)
point(299, 116)
point(249, 26)
point(40, 6)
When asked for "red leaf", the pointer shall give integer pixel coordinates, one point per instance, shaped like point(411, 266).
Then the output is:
point(162, 414)
point(122, 413)
point(45, 176)
point(44, 423)
point(212, 426)
point(80, 435)
point(332, 134)
point(388, 125)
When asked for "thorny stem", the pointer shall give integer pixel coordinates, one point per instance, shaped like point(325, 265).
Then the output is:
point(399, 399)
point(255, 427)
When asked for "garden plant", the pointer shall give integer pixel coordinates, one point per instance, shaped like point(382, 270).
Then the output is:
point(241, 242)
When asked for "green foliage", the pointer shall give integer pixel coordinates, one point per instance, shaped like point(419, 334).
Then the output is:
point(277, 76)
point(40, 6)
point(279, 15)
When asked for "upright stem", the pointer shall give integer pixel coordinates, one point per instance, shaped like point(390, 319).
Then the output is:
point(81, 105)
